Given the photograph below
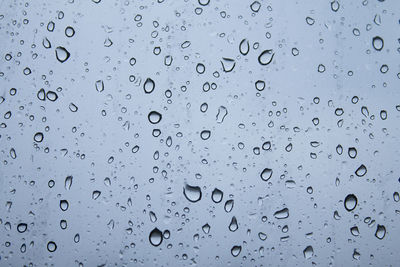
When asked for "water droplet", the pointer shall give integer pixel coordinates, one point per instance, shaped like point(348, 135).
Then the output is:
point(335, 6)
point(96, 194)
point(377, 43)
point(46, 43)
point(64, 205)
point(383, 114)
point(72, 107)
point(69, 31)
point(380, 231)
point(22, 227)
point(51, 246)
point(228, 64)
point(352, 152)
point(52, 96)
point(308, 252)
point(153, 217)
point(50, 26)
point(154, 117)
point(205, 134)
point(13, 154)
point(38, 137)
point(354, 231)
point(149, 86)
point(200, 68)
point(229, 205)
point(203, 2)
point(361, 171)
point(222, 112)
point(206, 228)
point(244, 47)
point(255, 6)
point(68, 182)
point(260, 85)
point(192, 193)
point(310, 21)
point(350, 202)
point(266, 174)
point(62, 54)
point(262, 236)
point(266, 57)
point(217, 195)
point(282, 214)
point(99, 84)
point(235, 251)
point(155, 237)
point(233, 226)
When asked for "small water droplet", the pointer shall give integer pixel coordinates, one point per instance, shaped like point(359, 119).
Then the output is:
point(51, 246)
point(217, 195)
point(308, 252)
point(235, 251)
point(244, 47)
point(380, 231)
point(266, 174)
point(377, 43)
point(266, 57)
point(233, 226)
point(282, 214)
point(361, 171)
point(154, 117)
point(229, 205)
point(62, 54)
point(149, 86)
point(64, 205)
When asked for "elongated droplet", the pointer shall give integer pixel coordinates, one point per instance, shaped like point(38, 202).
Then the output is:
point(155, 237)
point(350, 202)
point(266, 57)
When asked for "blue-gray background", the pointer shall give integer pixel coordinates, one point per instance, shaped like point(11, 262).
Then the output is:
point(114, 228)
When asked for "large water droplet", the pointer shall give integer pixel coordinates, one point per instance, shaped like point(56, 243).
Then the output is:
point(38, 137)
point(206, 228)
point(155, 237)
point(62, 54)
point(192, 193)
point(350, 202)
point(205, 134)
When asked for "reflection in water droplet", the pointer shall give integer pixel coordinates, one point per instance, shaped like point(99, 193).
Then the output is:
point(266, 174)
point(155, 237)
point(62, 54)
point(192, 193)
point(350, 202)
point(217, 195)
